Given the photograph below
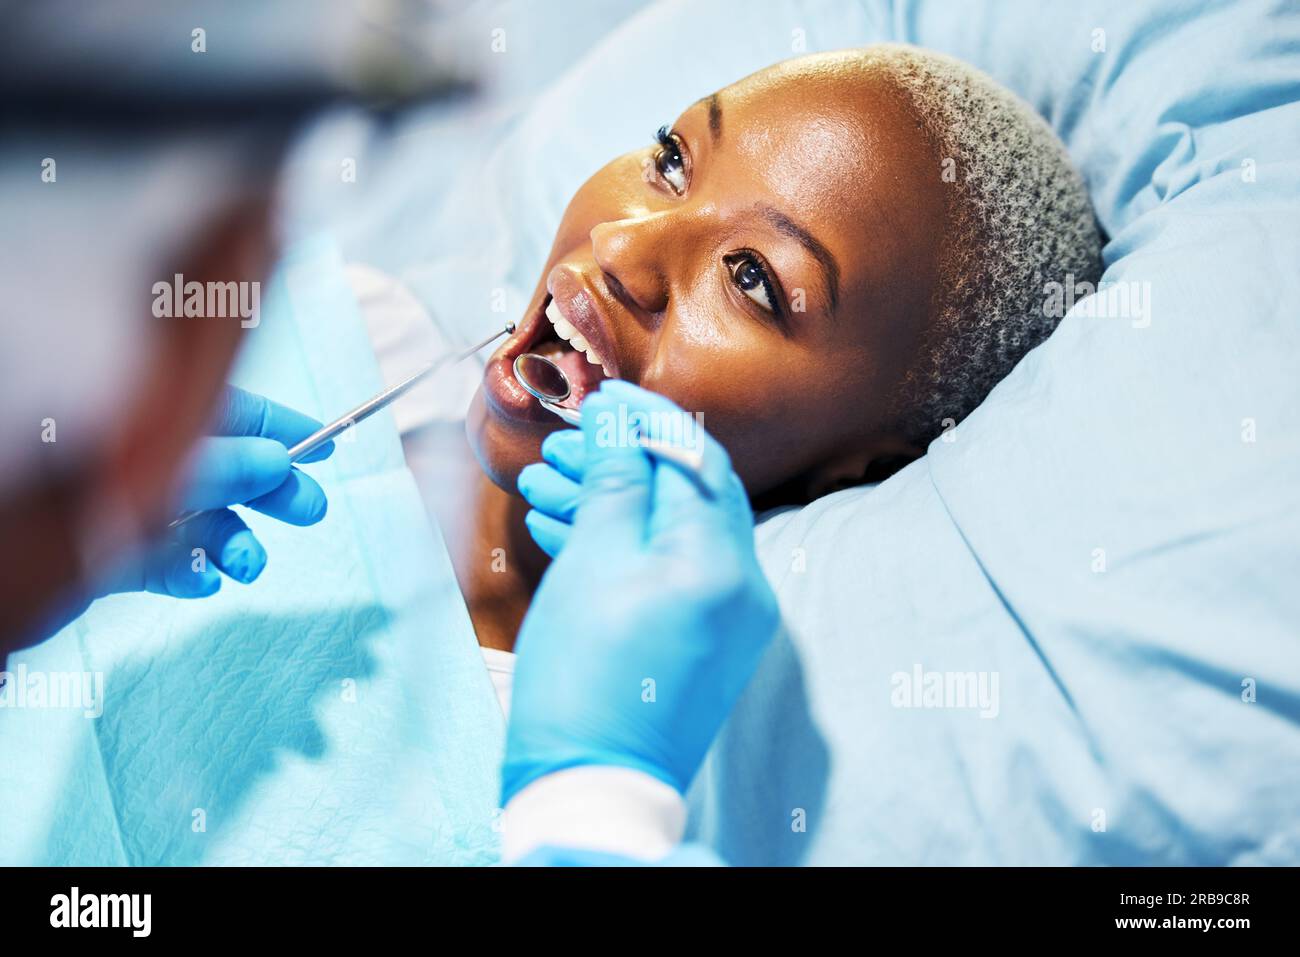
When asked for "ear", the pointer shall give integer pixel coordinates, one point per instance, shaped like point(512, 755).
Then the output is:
point(875, 463)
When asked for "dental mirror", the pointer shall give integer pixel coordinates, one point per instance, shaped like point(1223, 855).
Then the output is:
point(542, 378)
point(547, 383)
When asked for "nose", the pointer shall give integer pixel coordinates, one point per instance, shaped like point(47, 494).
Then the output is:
point(632, 253)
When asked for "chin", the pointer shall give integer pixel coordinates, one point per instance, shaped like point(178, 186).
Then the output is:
point(504, 445)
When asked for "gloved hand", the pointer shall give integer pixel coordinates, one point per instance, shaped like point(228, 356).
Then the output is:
point(650, 622)
point(245, 462)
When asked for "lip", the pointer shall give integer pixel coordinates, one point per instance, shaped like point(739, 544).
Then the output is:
point(503, 392)
point(584, 310)
point(581, 307)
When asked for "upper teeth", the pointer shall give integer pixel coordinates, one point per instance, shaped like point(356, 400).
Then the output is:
point(566, 331)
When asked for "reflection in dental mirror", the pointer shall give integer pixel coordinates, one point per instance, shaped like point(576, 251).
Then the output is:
point(544, 379)
point(547, 383)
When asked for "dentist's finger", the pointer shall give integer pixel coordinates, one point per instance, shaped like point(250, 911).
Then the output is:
point(169, 568)
point(298, 500)
point(551, 493)
point(549, 533)
point(172, 569)
point(247, 413)
point(614, 505)
point(567, 451)
point(227, 542)
point(227, 470)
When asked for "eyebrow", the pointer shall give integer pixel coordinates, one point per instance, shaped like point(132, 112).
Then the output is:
point(715, 115)
point(788, 227)
point(715, 118)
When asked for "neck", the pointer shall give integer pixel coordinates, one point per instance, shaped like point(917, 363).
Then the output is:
point(497, 564)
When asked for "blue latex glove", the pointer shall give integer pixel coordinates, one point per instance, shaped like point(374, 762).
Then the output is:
point(650, 622)
point(244, 462)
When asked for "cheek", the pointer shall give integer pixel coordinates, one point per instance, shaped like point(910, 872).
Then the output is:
point(753, 395)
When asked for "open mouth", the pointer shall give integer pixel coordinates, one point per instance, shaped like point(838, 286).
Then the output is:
point(559, 341)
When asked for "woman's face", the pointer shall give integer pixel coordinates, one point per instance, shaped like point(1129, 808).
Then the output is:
point(768, 263)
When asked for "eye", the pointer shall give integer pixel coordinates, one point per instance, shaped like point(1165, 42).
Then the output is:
point(752, 279)
point(669, 161)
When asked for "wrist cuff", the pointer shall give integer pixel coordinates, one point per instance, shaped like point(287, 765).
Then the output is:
point(595, 807)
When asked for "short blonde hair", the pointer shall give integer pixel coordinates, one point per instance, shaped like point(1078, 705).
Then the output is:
point(1018, 218)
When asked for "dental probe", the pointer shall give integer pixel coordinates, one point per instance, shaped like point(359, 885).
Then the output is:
point(370, 407)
